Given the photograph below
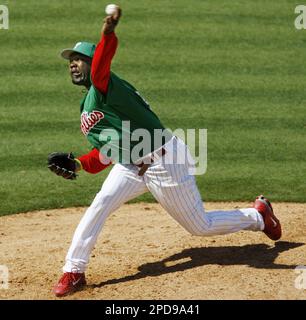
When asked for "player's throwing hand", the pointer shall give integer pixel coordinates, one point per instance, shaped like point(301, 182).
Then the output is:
point(111, 21)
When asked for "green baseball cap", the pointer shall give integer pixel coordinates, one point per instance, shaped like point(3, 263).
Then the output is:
point(85, 48)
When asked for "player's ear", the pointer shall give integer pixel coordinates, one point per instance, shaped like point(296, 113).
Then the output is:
point(88, 60)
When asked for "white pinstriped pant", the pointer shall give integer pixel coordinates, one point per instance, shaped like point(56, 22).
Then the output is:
point(173, 187)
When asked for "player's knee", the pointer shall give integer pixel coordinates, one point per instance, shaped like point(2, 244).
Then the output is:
point(194, 232)
point(105, 200)
point(197, 231)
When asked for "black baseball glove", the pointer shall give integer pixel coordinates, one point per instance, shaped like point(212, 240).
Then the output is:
point(62, 164)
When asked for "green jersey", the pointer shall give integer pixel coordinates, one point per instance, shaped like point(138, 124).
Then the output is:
point(119, 121)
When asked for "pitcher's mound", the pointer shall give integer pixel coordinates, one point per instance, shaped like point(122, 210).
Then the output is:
point(142, 253)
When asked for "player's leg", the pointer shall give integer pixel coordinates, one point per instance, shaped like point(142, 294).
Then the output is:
point(176, 190)
point(121, 185)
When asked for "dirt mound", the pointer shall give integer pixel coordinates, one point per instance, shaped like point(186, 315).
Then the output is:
point(142, 253)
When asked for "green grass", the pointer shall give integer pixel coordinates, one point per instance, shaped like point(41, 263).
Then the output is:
point(237, 68)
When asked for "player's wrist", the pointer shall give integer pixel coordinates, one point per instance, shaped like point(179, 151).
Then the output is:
point(78, 165)
point(111, 21)
point(108, 28)
point(108, 35)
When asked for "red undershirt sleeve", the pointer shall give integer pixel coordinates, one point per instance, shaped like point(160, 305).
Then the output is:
point(92, 161)
point(101, 62)
point(100, 75)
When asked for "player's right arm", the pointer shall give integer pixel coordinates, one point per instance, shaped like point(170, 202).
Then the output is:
point(104, 53)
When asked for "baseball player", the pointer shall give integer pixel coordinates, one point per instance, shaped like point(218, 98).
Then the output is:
point(109, 102)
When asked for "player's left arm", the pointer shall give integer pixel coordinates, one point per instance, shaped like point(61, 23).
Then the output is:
point(92, 162)
point(66, 165)
point(104, 53)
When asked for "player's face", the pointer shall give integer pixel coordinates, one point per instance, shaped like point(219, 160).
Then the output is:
point(79, 68)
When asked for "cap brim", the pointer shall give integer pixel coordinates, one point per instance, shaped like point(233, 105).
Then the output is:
point(66, 53)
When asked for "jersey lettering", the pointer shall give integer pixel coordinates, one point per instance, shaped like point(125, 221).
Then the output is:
point(89, 120)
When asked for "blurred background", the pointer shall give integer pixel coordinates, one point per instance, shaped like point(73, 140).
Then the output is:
point(236, 68)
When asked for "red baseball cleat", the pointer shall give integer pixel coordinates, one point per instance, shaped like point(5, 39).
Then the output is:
point(273, 227)
point(69, 283)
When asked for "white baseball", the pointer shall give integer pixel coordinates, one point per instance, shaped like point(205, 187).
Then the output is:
point(110, 9)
